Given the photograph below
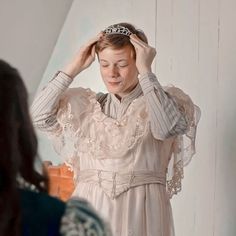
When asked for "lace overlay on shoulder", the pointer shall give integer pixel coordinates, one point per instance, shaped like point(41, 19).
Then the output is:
point(64, 142)
point(82, 119)
point(81, 219)
point(183, 147)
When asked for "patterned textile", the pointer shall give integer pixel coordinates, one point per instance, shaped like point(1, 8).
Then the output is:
point(127, 155)
point(43, 215)
point(80, 219)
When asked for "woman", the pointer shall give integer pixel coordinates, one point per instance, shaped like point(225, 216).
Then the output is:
point(25, 207)
point(125, 147)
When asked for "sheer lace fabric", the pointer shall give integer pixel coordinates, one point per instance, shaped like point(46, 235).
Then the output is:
point(184, 145)
point(95, 141)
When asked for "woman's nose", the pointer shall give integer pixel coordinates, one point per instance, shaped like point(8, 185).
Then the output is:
point(113, 71)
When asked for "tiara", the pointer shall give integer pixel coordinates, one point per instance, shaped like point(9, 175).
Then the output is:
point(117, 29)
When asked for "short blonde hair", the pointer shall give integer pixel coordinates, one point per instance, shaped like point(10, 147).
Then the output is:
point(117, 41)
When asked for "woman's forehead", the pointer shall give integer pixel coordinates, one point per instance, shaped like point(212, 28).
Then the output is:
point(121, 53)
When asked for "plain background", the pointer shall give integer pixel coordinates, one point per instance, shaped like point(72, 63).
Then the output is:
point(195, 42)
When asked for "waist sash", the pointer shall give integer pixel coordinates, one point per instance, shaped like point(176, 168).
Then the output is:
point(116, 183)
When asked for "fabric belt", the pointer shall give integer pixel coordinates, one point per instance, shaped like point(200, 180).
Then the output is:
point(115, 183)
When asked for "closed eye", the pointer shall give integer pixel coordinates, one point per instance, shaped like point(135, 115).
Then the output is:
point(122, 65)
point(104, 65)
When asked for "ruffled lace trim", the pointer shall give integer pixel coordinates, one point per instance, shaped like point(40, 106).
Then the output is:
point(81, 219)
point(174, 184)
point(183, 147)
point(79, 112)
point(82, 119)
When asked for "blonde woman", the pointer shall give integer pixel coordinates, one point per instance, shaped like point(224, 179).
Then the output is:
point(126, 146)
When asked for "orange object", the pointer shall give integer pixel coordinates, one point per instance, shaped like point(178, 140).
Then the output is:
point(61, 182)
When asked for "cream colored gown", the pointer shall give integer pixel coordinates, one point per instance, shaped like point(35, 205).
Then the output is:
point(125, 164)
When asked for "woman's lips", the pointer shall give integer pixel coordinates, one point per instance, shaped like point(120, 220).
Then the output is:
point(114, 83)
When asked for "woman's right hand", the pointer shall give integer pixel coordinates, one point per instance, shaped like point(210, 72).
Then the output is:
point(145, 54)
point(83, 59)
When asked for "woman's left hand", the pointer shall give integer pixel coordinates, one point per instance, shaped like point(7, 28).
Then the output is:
point(144, 54)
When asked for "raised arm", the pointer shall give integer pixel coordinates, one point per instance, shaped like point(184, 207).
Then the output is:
point(165, 117)
point(45, 105)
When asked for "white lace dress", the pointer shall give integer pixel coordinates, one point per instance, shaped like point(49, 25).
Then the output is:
point(120, 167)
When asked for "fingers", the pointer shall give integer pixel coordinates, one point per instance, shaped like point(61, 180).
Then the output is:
point(93, 51)
point(137, 41)
point(94, 39)
point(140, 45)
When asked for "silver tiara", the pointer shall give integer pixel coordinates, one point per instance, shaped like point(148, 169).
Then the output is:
point(117, 29)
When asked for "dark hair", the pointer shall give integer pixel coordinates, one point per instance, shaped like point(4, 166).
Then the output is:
point(117, 41)
point(18, 148)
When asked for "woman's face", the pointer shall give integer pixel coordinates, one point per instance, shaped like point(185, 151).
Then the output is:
point(118, 70)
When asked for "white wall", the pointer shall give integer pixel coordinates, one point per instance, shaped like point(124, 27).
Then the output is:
point(28, 33)
point(195, 41)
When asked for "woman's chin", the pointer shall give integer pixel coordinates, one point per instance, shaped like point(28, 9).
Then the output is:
point(113, 89)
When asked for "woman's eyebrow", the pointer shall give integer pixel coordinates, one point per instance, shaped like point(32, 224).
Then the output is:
point(121, 60)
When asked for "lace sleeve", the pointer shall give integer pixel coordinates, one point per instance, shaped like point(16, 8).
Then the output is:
point(72, 104)
point(183, 147)
point(81, 219)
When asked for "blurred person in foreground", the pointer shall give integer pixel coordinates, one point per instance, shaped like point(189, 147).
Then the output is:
point(25, 206)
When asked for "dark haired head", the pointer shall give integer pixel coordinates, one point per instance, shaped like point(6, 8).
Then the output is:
point(18, 146)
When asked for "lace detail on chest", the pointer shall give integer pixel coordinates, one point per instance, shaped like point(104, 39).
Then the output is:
point(95, 134)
